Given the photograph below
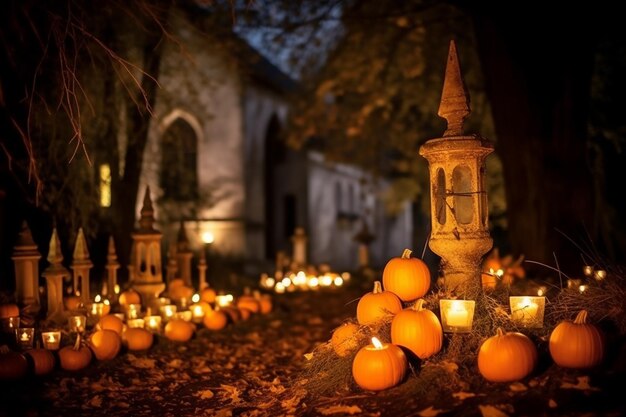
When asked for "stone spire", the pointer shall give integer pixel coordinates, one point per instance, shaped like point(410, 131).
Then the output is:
point(81, 264)
point(112, 266)
point(146, 221)
point(55, 256)
point(455, 101)
point(55, 274)
point(183, 255)
point(26, 260)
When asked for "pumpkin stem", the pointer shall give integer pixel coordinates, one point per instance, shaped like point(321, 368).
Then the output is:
point(499, 331)
point(406, 254)
point(581, 318)
point(77, 343)
point(378, 288)
point(418, 306)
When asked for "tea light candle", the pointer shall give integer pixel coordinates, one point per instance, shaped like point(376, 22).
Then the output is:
point(457, 315)
point(197, 312)
point(168, 311)
point(132, 311)
point(588, 270)
point(599, 275)
point(582, 289)
point(25, 337)
point(379, 366)
point(338, 281)
point(77, 323)
point(185, 315)
point(224, 300)
point(51, 340)
point(152, 323)
point(527, 310)
point(135, 323)
point(10, 324)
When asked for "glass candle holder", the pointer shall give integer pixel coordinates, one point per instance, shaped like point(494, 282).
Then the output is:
point(153, 323)
point(457, 315)
point(135, 323)
point(224, 300)
point(185, 315)
point(51, 340)
point(25, 337)
point(197, 312)
point(132, 311)
point(96, 310)
point(163, 301)
point(599, 275)
point(573, 284)
point(120, 316)
point(168, 311)
point(527, 310)
point(10, 324)
point(77, 324)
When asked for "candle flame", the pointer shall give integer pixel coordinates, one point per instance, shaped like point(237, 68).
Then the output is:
point(107, 302)
point(499, 272)
point(313, 282)
point(338, 281)
point(457, 305)
point(24, 336)
point(207, 237)
point(582, 288)
point(116, 289)
point(97, 299)
point(195, 298)
point(525, 302)
point(376, 343)
point(540, 292)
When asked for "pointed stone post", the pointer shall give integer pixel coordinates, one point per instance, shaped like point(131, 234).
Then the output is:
point(202, 267)
point(184, 255)
point(147, 269)
point(81, 264)
point(299, 241)
point(112, 266)
point(26, 261)
point(458, 198)
point(55, 274)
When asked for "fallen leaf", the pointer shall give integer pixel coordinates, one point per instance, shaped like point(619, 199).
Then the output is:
point(96, 401)
point(175, 363)
point(142, 363)
point(518, 387)
point(308, 356)
point(343, 409)
point(461, 395)
point(449, 366)
point(231, 393)
point(552, 403)
point(583, 384)
point(315, 321)
point(491, 411)
point(204, 394)
point(430, 412)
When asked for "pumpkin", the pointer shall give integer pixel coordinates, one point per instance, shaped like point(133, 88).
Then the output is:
point(507, 357)
point(75, 358)
point(13, 365)
point(111, 323)
point(577, 344)
point(406, 277)
point(418, 330)
point(248, 301)
point(72, 302)
point(175, 283)
point(215, 320)
point(377, 304)
point(245, 313)
point(179, 330)
point(43, 360)
point(180, 292)
point(379, 366)
point(344, 339)
point(506, 267)
point(9, 310)
point(105, 344)
point(232, 313)
point(265, 302)
point(129, 296)
point(137, 339)
point(208, 295)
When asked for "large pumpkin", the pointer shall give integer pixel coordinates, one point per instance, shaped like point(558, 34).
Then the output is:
point(249, 301)
point(111, 322)
point(418, 330)
point(75, 358)
point(180, 292)
point(379, 366)
point(577, 344)
point(507, 357)
point(179, 330)
point(406, 277)
point(138, 338)
point(9, 310)
point(344, 339)
point(215, 319)
point(208, 295)
point(129, 296)
point(265, 302)
point(377, 304)
point(72, 302)
point(13, 365)
point(105, 344)
point(43, 360)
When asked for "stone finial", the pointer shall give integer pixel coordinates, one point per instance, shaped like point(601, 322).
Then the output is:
point(55, 256)
point(182, 243)
point(25, 238)
point(81, 253)
point(455, 102)
point(111, 254)
point(146, 221)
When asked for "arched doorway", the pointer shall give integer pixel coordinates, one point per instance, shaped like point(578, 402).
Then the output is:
point(179, 163)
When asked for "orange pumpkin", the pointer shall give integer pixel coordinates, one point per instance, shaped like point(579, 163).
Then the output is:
point(179, 330)
point(13, 365)
point(406, 277)
point(138, 339)
point(208, 295)
point(129, 296)
point(249, 302)
point(377, 304)
point(344, 339)
point(72, 302)
point(177, 282)
point(265, 302)
point(507, 357)
point(111, 322)
point(215, 320)
point(233, 313)
point(379, 366)
point(105, 344)
point(418, 330)
point(43, 360)
point(180, 292)
point(9, 310)
point(245, 313)
point(577, 344)
point(75, 358)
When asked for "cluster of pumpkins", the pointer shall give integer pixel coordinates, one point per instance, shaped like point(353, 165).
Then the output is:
point(504, 357)
point(110, 334)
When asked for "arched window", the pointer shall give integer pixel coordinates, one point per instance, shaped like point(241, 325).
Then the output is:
point(179, 167)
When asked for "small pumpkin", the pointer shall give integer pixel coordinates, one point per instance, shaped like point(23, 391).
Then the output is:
point(175, 283)
point(72, 302)
point(105, 344)
point(377, 304)
point(265, 302)
point(215, 320)
point(418, 330)
point(379, 366)
point(137, 338)
point(233, 313)
point(43, 360)
point(406, 277)
point(13, 365)
point(111, 322)
point(245, 313)
point(344, 339)
point(9, 310)
point(180, 292)
point(76, 357)
point(129, 296)
point(248, 301)
point(577, 344)
point(179, 330)
point(208, 294)
point(507, 357)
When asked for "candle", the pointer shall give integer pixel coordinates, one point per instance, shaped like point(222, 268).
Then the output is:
point(379, 366)
point(183, 315)
point(582, 288)
point(279, 288)
point(116, 289)
point(77, 323)
point(326, 281)
point(224, 300)
point(25, 337)
point(51, 340)
point(10, 324)
point(457, 315)
point(197, 312)
point(527, 310)
point(135, 323)
point(153, 323)
point(338, 281)
point(588, 270)
point(168, 311)
point(599, 275)
point(573, 283)
point(542, 291)
point(132, 311)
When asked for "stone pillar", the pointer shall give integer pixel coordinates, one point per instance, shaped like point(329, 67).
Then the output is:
point(299, 241)
point(202, 267)
point(81, 264)
point(26, 261)
point(112, 266)
point(55, 274)
point(184, 256)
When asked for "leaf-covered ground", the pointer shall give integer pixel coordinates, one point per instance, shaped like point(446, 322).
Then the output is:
point(258, 368)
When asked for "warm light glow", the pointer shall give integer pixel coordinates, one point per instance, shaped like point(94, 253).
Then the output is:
point(338, 281)
point(326, 280)
point(499, 272)
point(588, 270)
point(540, 292)
point(107, 303)
point(51, 340)
point(279, 288)
point(376, 343)
point(299, 279)
point(168, 311)
point(313, 282)
point(207, 237)
point(135, 323)
point(77, 323)
point(286, 282)
point(197, 311)
point(599, 275)
point(116, 289)
point(527, 310)
point(491, 271)
point(24, 337)
point(582, 288)
point(457, 315)
point(224, 300)
point(98, 299)
point(195, 298)
point(269, 282)
point(105, 185)
point(345, 276)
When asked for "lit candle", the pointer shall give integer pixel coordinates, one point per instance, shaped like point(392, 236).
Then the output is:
point(77, 323)
point(153, 323)
point(457, 315)
point(135, 323)
point(25, 337)
point(582, 288)
point(379, 366)
point(197, 311)
point(326, 280)
point(10, 324)
point(542, 291)
point(338, 281)
point(195, 298)
point(527, 310)
point(588, 270)
point(599, 275)
point(51, 340)
point(168, 311)
point(132, 311)
point(183, 315)
point(116, 289)
point(279, 288)
point(224, 300)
